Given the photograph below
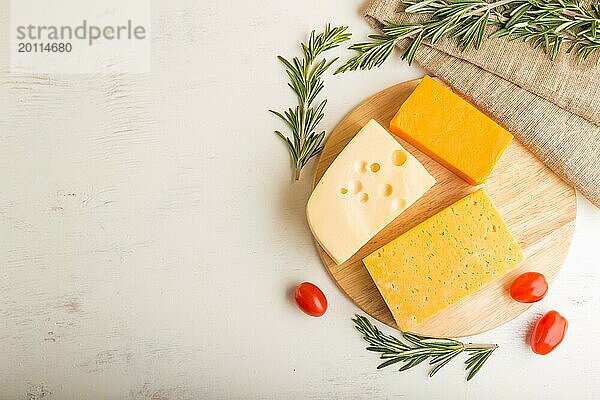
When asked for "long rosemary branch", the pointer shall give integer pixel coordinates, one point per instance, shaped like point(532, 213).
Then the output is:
point(549, 24)
point(414, 349)
point(305, 74)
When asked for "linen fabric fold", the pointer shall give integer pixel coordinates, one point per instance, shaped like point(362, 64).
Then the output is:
point(553, 108)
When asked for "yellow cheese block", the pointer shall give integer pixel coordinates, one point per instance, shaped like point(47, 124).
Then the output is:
point(443, 260)
point(451, 131)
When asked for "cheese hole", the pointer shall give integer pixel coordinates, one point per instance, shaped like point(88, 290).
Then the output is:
point(363, 197)
point(386, 190)
point(398, 204)
point(375, 167)
point(360, 166)
point(355, 186)
point(399, 158)
point(343, 191)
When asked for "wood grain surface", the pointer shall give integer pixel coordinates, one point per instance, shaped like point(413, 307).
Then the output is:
point(538, 207)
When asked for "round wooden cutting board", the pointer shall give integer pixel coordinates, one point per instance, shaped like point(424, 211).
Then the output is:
point(538, 207)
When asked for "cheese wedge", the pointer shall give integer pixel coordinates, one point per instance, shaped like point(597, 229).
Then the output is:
point(451, 131)
point(443, 260)
point(370, 183)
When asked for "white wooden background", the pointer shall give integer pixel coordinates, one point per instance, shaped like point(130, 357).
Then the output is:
point(150, 236)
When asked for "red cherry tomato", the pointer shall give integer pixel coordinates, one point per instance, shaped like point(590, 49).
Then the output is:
point(529, 287)
point(310, 299)
point(549, 331)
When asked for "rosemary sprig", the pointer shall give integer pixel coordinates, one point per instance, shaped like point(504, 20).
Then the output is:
point(549, 24)
point(414, 349)
point(306, 81)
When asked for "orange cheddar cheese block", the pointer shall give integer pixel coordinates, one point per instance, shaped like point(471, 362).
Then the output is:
point(451, 131)
point(443, 260)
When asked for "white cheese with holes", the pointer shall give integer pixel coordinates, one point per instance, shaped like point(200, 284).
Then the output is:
point(372, 181)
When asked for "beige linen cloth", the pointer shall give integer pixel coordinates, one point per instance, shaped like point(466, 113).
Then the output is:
point(551, 107)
